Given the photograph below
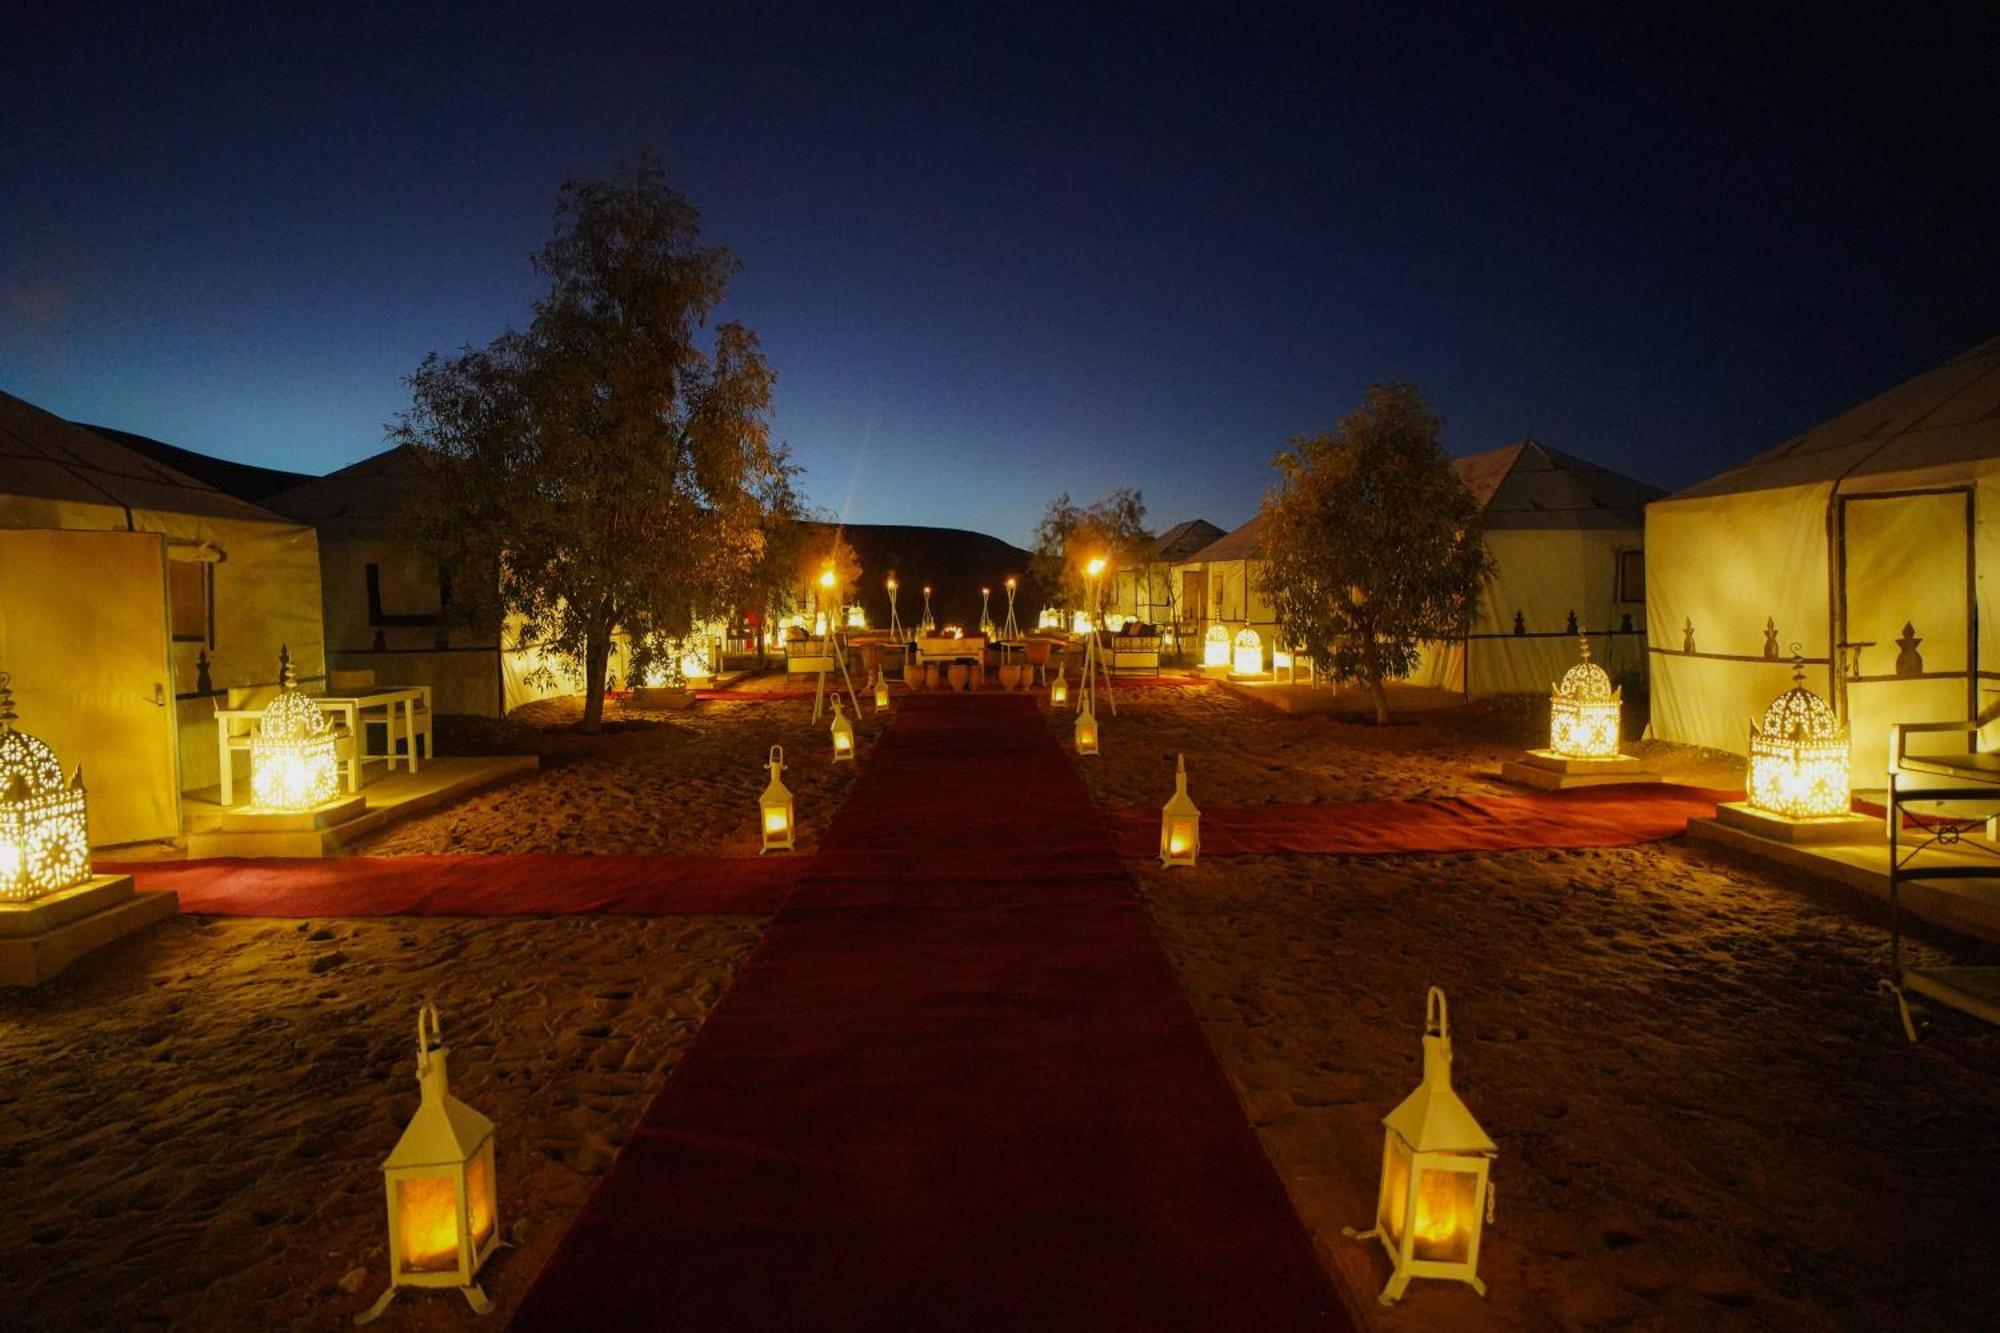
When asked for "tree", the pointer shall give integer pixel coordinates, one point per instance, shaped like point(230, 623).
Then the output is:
point(1372, 543)
point(611, 471)
point(1069, 537)
point(823, 547)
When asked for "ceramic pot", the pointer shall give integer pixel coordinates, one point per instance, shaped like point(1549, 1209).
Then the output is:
point(960, 674)
point(1010, 678)
point(930, 675)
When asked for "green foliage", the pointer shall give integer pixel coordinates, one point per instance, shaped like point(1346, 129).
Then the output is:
point(617, 473)
point(1372, 543)
point(1069, 537)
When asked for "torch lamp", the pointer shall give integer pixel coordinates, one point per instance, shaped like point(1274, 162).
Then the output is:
point(776, 807)
point(1180, 822)
point(1086, 730)
point(1436, 1192)
point(443, 1212)
point(843, 734)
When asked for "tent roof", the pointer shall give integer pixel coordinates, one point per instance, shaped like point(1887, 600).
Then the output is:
point(1184, 539)
point(245, 481)
point(1529, 485)
point(361, 500)
point(48, 458)
point(1947, 415)
point(1245, 543)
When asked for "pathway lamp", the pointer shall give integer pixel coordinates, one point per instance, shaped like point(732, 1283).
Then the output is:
point(843, 734)
point(1086, 730)
point(775, 805)
point(44, 840)
point(443, 1211)
point(1180, 822)
point(1799, 755)
point(1249, 658)
point(1215, 647)
point(1583, 711)
point(292, 762)
point(1436, 1194)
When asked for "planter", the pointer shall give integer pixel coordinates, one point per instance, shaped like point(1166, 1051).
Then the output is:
point(1010, 678)
point(930, 675)
point(960, 674)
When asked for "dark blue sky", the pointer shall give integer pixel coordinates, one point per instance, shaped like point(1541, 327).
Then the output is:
point(1000, 252)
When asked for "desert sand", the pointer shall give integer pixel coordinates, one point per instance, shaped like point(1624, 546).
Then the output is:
point(1707, 1115)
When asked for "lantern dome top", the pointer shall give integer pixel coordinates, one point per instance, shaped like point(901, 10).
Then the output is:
point(1586, 681)
point(292, 716)
point(1798, 714)
point(1218, 633)
point(1247, 638)
point(28, 767)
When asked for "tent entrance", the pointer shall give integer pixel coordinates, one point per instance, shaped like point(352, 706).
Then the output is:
point(1905, 618)
point(84, 634)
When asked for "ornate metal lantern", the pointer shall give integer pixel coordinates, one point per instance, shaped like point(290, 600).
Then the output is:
point(775, 805)
point(1180, 822)
point(1799, 755)
point(1215, 648)
point(443, 1205)
point(1249, 655)
point(1086, 730)
point(843, 734)
point(44, 838)
point(1436, 1196)
point(292, 760)
point(1584, 711)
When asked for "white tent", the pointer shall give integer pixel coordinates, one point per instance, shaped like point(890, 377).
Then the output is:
point(385, 600)
point(1870, 534)
point(130, 595)
point(1148, 593)
point(1567, 537)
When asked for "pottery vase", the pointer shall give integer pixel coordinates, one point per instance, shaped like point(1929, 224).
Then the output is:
point(960, 674)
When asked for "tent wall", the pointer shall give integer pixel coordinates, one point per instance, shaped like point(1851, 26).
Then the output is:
point(405, 609)
point(1543, 576)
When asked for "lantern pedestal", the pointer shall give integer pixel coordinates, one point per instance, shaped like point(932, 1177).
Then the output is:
point(243, 831)
point(1742, 817)
point(1544, 770)
point(42, 936)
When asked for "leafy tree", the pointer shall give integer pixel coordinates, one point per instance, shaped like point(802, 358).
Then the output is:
point(1069, 537)
point(823, 547)
point(609, 464)
point(1372, 543)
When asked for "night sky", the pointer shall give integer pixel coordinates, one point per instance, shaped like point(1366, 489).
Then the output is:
point(1002, 252)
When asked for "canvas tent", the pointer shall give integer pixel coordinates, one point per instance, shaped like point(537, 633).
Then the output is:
point(131, 594)
point(385, 600)
point(1865, 541)
point(1148, 592)
point(1567, 538)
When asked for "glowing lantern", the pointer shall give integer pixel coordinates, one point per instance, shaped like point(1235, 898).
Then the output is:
point(1086, 730)
point(881, 688)
point(292, 762)
point(1215, 648)
point(1050, 618)
point(843, 734)
point(857, 618)
point(1079, 622)
point(443, 1205)
point(1059, 689)
point(1180, 822)
point(776, 806)
point(1798, 757)
point(1583, 711)
point(44, 844)
point(1436, 1197)
point(1249, 653)
point(1116, 621)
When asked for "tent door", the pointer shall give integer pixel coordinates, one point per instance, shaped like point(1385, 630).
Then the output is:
point(1905, 616)
point(1194, 598)
point(83, 632)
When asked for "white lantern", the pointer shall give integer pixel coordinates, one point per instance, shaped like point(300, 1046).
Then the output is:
point(1050, 618)
point(1249, 660)
point(843, 734)
point(44, 839)
point(1180, 822)
point(292, 762)
point(1215, 648)
point(857, 618)
point(1799, 756)
point(443, 1203)
point(1436, 1196)
point(775, 806)
point(1086, 730)
point(1079, 622)
point(1584, 711)
point(1058, 688)
point(881, 688)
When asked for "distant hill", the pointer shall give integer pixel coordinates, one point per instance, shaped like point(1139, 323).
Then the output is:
point(954, 562)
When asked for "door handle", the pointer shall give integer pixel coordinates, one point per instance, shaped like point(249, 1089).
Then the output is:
point(159, 695)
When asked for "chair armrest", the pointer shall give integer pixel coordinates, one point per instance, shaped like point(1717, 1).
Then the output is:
point(1900, 731)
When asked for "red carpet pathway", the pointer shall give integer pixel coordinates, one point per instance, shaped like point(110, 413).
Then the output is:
point(955, 1087)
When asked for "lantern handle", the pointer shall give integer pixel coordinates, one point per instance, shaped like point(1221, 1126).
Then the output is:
point(777, 756)
point(429, 1035)
point(1437, 1019)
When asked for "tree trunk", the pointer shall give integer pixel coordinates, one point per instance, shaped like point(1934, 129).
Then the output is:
point(596, 657)
point(1380, 690)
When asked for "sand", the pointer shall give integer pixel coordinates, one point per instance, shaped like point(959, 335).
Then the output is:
point(1707, 1115)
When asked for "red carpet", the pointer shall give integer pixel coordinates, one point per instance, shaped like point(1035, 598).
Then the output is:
point(537, 884)
point(955, 1087)
point(1587, 817)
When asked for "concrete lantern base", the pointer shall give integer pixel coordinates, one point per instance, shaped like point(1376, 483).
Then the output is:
point(242, 831)
point(1742, 817)
point(1545, 770)
point(40, 938)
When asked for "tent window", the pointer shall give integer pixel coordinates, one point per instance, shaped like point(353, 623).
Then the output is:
point(191, 601)
point(1631, 576)
point(404, 593)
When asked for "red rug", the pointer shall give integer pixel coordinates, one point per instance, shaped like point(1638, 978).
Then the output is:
point(956, 1086)
point(536, 884)
point(1586, 817)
